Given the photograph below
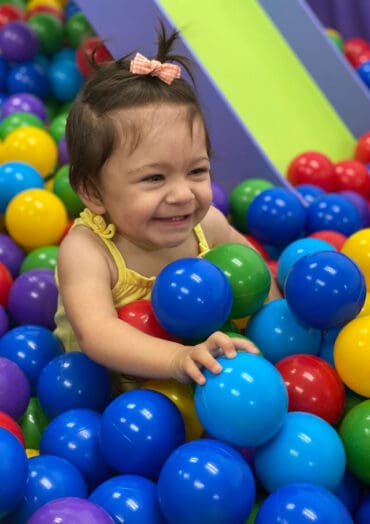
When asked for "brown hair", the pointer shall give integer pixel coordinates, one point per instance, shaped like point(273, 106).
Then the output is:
point(91, 132)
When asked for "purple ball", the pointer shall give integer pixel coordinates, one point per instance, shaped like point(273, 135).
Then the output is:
point(24, 103)
point(63, 156)
point(18, 41)
point(33, 298)
point(71, 509)
point(361, 204)
point(15, 391)
point(11, 254)
point(4, 322)
point(220, 198)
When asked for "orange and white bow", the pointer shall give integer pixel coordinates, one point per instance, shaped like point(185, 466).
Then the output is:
point(140, 65)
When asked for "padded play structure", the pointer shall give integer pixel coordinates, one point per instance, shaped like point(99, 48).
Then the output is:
point(271, 82)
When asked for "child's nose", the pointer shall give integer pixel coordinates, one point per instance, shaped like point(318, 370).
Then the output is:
point(180, 192)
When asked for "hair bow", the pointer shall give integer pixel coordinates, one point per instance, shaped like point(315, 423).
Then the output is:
point(140, 65)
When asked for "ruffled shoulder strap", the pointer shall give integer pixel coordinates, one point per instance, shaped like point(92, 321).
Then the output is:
point(96, 223)
point(202, 241)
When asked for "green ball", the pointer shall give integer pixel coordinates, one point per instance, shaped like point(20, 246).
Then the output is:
point(33, 424)
point(336, 38)
point(58, 126)
point(77, 29)
point(52, 108)
point(241, 197)
point(63, 189)
point(354, 432)
point(248, 275)
point(16, 120)
point(44, 257)
point(19, 3)
point(50, 31)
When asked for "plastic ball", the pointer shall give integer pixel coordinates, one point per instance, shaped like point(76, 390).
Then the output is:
point(327, 345)
point(361, 204)
point(276, 216)
point(70, 509)
point(14, 389)
point(44, 257)
point(4, 321)
point(73, 435)
point(63, 189)
point(302, 503)
point(33, 298)
point(13, 471)
point(139, 430)
point(363, 70)
point(349, 491)
point(191, 298)
point(35, 218)
point(29, 77)
point(363, 511)
point(24, 103)
point(57, 126)
point(365, 311)
point(352, 175)
point(18, 41)
point(16, 120)
point(49, 478)
point(91, 47)
point(71, 381)
point(16, 177)
point(182, 396)
point(63, 154)
point(309, 192)
point(247, 273)
point(7, 422)
point(33, 424)
point(313, 386)
point(220, 198)
point(325, 289)
point(11, 255)
point(241, 197)
point(334, 238)
point(353, 47)
point(362, 149)
point(277, 333)
point(357, 247)
point(334, 212)
point(351, 357)
point(312, 167)
point(34, 146)
point(245, 404)
point(65, 80)
point(77, 29)
point(49, 30)
point(295, 251)
point(306, 449)
point(31, 347)
point(6, 283)
point(10, 13)
point(210, 476)
point(129, 498)
point(44, 8)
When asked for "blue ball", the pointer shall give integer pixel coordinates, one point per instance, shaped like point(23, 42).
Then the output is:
point(206, 481)
point(73, 435)
point(139, 430)
point(13, 471)
point(70, 9)
point(49, 478)
point(327, 345)
point(278, 334)
point(276, 216)
point(335, 213)
point(302, 503)
point(349, 491)
point(4, 71)
point(191, 298)
point(15, 177)
point(325, 289)
point(363, 71)
point(245, 404)
point(309, 192)
point(29, 77)
point(71, 381)
point(296, 250)
point(306, 449)
point(129, 498)
point(363, 511)
point(65, 80)
point(31, 347)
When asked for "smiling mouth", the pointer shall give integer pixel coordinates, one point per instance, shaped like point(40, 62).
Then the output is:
point(179, 218)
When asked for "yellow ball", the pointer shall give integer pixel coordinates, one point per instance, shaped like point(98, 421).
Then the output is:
point(35, 218)
point(357, 247)
point(36, 3)
point(32, 452)
point(365, 311)
point(1, 151)
point(352, 355)
point(32, 145)
point(181, 395)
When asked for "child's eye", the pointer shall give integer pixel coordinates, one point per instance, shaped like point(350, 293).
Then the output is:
point(153, 178)
point(199, 171)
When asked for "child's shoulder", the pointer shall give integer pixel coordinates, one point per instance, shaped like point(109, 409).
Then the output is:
point(215, 227)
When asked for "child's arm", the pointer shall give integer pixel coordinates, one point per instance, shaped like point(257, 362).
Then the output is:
point(85, 279)
point(218, 231)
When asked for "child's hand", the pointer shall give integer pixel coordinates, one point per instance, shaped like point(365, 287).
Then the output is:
point(188, 362)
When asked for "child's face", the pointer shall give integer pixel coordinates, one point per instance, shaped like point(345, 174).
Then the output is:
point(158, 192)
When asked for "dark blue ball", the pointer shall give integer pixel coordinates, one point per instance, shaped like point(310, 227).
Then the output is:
point(333, 212)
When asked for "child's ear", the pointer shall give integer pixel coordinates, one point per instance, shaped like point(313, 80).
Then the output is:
point(91, 199)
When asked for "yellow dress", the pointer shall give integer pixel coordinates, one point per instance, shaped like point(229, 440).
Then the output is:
point(130, 285)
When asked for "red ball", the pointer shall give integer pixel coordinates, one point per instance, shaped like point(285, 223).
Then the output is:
point(6, 281)
point(273, 264)
point(91, 48)
point(10, 13)
point(44, 8)
point(334, 238)
point(139, 314)
point(353, 47)
point(352, 175)
point(257, 246)
point(313, 386)
point(8, 423)
point(312, 167)
point(362, 149)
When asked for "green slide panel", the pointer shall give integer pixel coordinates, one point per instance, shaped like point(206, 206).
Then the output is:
point(262, 78)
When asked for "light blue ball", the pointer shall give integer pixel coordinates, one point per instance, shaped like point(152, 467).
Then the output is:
point(15, 177)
